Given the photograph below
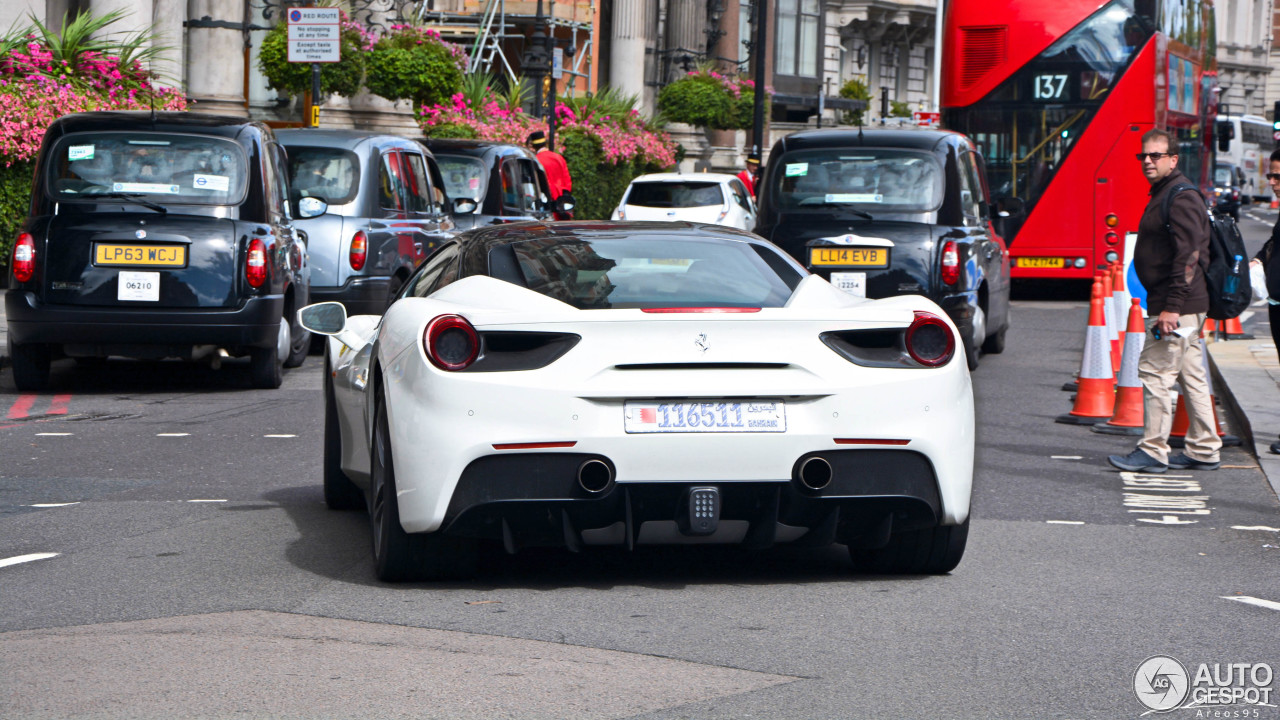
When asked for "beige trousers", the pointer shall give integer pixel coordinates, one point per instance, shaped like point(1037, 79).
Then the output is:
point(1163, 362)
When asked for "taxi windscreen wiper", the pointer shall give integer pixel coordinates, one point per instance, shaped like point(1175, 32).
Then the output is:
point(136, 198)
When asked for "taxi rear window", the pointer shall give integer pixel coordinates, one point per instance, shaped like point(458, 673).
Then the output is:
point(168, 168)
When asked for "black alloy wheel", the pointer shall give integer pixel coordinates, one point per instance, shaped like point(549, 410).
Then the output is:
point(299, 342)
point(339, 492)
point(399, 556)
point(265, 364)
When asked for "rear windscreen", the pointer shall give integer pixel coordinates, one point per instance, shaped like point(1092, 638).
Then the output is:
point(647, 272)
point(196, 169)
point(865, 178)
point(331, 174)
point(464, 177)
point(675, 194)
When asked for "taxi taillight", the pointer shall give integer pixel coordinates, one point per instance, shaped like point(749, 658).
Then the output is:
point(255, 268)
point(359, 250)
point(950, 263)
point(24, 257)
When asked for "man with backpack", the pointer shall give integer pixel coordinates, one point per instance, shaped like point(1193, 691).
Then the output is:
point(1171, 258)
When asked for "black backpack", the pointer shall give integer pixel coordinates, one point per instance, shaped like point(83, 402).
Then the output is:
point(1227, 276)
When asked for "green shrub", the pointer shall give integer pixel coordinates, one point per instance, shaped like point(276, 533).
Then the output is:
point(899, 109)
point(15, 203)
point(415, 64)
point(451, 130)
point(855, 90)
point(701, 100)
point(343, 78)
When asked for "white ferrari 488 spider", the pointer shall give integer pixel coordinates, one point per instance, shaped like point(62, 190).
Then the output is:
point(586, 383)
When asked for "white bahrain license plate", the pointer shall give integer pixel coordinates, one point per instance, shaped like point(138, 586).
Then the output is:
point(705, 416)
point(144, 286)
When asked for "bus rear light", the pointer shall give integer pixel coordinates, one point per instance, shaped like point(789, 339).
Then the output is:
point(255, 266)
point(24, 257)
point(1112, 256)
point(359, 250)
point(950, 263)
point(1112, 238)
point(1080, 262)
point(1112, 220)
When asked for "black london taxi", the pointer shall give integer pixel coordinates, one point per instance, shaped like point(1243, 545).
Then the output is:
point(158, 235)
point(506, 181)
point(883, 212)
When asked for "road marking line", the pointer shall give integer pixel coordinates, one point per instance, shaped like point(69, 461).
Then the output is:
point(27, 558)
point(1065, 522)
point(53, 434)
point(59, 404)
point(21, 407)
point(279, 436)
point(1255, 527)
point(1269, 604)
point(173, 434)
point(52, 505)
point(1066, 457)
point(1166, 519)
point(202, 501)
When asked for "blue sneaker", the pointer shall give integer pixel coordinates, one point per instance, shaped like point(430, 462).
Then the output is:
point(1137, 461)
point(1182, 462)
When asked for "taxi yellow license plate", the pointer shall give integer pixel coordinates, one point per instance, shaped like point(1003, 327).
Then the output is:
point(1041, 262)
point(849, 256)
point(140, 255)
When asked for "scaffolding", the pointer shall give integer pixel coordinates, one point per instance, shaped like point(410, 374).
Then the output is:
point(496, 33)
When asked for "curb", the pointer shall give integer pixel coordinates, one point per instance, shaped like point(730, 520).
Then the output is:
point(1227, 398)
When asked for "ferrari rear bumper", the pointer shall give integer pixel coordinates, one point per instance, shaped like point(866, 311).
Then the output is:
point(526, 499)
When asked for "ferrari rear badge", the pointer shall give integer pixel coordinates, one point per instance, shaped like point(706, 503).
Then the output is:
point(701, 342)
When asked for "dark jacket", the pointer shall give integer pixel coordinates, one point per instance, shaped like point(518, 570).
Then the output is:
point(1171, 262)
point(1270, 257)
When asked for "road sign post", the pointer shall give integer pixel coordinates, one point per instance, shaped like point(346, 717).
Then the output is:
point(315, 36)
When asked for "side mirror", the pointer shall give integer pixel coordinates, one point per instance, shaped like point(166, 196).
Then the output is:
point(326, 318)
point(565, 203)
point(464, 205)
point(1010, 206)
point(309, 207)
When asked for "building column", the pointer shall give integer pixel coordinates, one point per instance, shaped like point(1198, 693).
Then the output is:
point(167, 17)
point(215, 58)
point(685, 22)
point(724, 143)
point(626, 57)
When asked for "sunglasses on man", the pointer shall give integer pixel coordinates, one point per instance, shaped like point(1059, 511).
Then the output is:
point(1154, 156)
point(1273, 176)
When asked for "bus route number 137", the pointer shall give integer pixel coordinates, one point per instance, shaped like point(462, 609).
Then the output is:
point(1050, 87)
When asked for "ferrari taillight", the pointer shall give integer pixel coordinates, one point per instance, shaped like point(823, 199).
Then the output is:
point(359, 250)
point(950, 263)
point(255, 267)
point(24, 257)
point(451, 342)
point(929, 340)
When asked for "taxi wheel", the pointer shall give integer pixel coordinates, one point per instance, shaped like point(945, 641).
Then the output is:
point(399, 556)
point(994, 344)
point(30, 366)
point(935, 550)
point(339, 492)
point(299, 344)
point(265, 365)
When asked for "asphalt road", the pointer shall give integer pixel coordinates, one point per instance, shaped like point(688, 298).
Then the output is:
point(198, 574)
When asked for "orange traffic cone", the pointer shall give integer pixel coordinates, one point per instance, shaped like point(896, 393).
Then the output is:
point(1113, 321)
point(1210, 327)
point(1094, 294)
point(1120, 295)
point(1182, 421)
point(1128, 416)
point(1096, 398)
point(1275, 203)
point(1233, 330)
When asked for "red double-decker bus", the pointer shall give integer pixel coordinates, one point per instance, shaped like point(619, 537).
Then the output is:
point(1058, 94)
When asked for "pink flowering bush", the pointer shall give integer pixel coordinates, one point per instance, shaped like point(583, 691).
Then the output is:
point(602, 137)
point(42, 77)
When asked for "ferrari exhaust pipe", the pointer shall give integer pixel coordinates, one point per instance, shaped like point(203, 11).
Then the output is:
point(595, 476)
point(814, 473)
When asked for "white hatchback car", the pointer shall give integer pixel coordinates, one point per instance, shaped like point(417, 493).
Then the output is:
point(715, 198)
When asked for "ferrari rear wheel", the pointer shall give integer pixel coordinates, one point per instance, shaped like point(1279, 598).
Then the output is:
point(339, 492)
point(399, 556)
point(935, 550)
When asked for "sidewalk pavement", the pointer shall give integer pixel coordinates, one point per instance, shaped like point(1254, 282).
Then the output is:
point(1246, 381)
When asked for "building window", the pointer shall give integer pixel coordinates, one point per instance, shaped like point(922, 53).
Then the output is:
point(797, 38)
